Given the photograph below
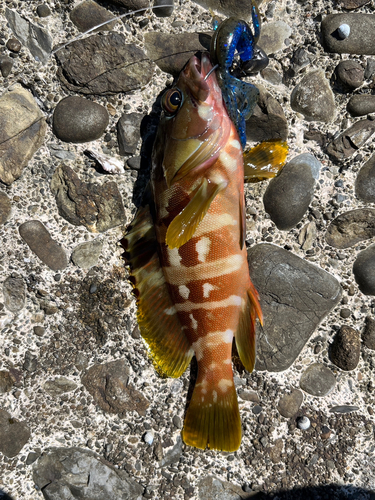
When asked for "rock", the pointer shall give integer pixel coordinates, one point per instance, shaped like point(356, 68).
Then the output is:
point(273, 35)
point(89, 14)
point(295, 297)
point(234, 8)
point(346, 348)
point(362, 104)
point(129, 132)
point(30, 363)
point(351, 140)
point(272, 76)
point(5, 207)
point(289, 194)
point(276, 451)
point(6, 382)
point(343, 409)
point(13, 434)
point(6, 65)
point(171, 51)
point(313, 98)
point(248, 396)
point(368, 335)
point(22, 131)
point(13, 45)
point(39, 331)
point(362, 33)
point(351, 227)
point(86, 254)
point(364, 270)
point(370, 69)
point(108, 385)
point(307, 236)
point(14, 291)
point(43, 10)
point(40, 242)
point(350, 73)
point(59, 386)
point(114, 67)
point(212, 488)
point(131, 4)
point(317, 380)
point(268, 121)
point(365, 182)
point(163, 8)
point(77, 473)
point(98, 207)
point(34, 37)
point(79, 120)
point(353, 4)
point(300, 60)
point(174, 454)
point(289, 404)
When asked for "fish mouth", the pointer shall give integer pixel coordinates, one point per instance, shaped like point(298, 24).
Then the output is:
point(194, 75)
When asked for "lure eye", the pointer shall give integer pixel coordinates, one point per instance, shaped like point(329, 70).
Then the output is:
point(171, 101)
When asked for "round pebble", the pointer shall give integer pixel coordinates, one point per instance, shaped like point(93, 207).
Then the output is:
point(346, 348)
point(350, 73)
point(343, 31)
point(364, 270)
point(303, 423)
point(13, 45)
point(149, 437)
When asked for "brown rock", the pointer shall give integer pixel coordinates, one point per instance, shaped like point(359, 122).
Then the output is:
point(6, 382)
point(5, 207)
point(276, 451)
point(351, 227)
point(13, 434)
point(347, 143)
point(289, 404)
point(345, 349)
point(353, 4)
point(369, 333)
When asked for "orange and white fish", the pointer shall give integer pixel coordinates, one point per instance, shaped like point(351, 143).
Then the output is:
point(187, 255)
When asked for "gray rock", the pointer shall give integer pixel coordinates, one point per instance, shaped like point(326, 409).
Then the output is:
point(360, 105)
point(343, 409)
point(22, 131)
point(131, 4)
point(317, 380)
point(115, 66)
point(13, 434)
point(248, 396)
point(86, 254)
point(212, 488)
point(289, 404)
point(370, 69)
point(89, 14)
point(43, 10)
point(5, 207)
point(59, 386)
point(353, 4)
point(273, 35)
point(268, 121)
point(347, 143)
point(36, 39)
point(129, 133)
point(108, 385)
point(346, 348)
point(163, 8)
point(300, 60)
point(272, 76)
point(98, 207)
point(364, 270)
point(362, 34)
point(350, 73)
point(40, 242)
point(289, 194)
point(171, 51)
point(77, 473)
point(368, 335)
point(14, 291)
point(234, 8)
point(351, 227)
point(295, 297)
point(77, 120)
point(39, 331)
point(173, 455)
point(314, 98)
point(6, 65)
point(30, 363)
point(60, 153)
point(365, 181)
point(6, 381)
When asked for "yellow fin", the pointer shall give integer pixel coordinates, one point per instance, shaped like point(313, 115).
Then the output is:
point(183, 226)
point(265, 160)
point(157, 319)
point(245, 335)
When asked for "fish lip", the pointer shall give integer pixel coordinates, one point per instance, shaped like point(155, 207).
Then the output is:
point(202, 63)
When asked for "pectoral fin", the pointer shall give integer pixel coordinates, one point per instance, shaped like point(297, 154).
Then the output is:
point(183, 226)
point(265, 160)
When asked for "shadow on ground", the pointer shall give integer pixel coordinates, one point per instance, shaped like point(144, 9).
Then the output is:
point(328, 492)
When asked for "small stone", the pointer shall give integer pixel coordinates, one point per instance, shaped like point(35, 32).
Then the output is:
point(348, 143)
point(365, 181)
point(256, 409)
point(350, 73)
point(289, 404)
point(303, 423)
point(360, 105)
point(59, 386)
point(14, 291)
point(32, 457)
point(248, 396)
point(177, 422)
point(272, 76)
point(129, 133)
point(39, 331)
point(43, 10)
point(163, 9)
point(6, 65)
point(6, 382)
point(369, 333)
point(5, 207)
point(273, 35)
point(89, 14)
point(355, 43)
point(13, 434)
point(345, 313)
point(364, 270)
point(86, 254)
point(343, 409)
point(370, 69)
point(351, 227)
point(13, 45)
point(343, 31)
point(317, 380)
point(148, 437)
point(346, 348)
point(353, 4)
point(134, 163)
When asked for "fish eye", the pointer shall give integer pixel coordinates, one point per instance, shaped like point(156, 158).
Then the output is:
point(171, 101)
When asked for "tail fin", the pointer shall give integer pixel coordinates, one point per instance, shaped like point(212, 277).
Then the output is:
point(213, 420)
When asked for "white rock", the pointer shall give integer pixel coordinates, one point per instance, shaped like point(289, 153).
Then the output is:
point(109, 164)
point(303, 423)
point(343, 31)
point(149, 437)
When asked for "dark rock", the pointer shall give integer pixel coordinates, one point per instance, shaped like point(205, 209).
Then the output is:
point(59, 386)
point(315, 135)
point(89, 14)
point(360, 105)
point(351, 140)
point(31, 457)
point(43, 10)
point(163, 8)
point(272, 76)
point(368, 335)
point(30, 363)
point(365, 181)
point(273, 36)
point(173, 455)
point(317, 380)
point(22, 132)
point(295, 297)
point(40, 242)
point(39, 331)
point(268, 122)
point(212, 488)
point(346, 348)
point(6, 65)
point(131, 4)
point(353, 4)
point(34, 37)
point(362, 33)
point(14, 291)
point(79, 120)
point(115, 66)
point(6, 382)
point(289, 404)
point(350, 73)
point(313, 98)
point(78, 473)
point(289, 195)
point(134, 163)
point(108, 385)
point(351, 227)
point(13, 434)
point(129, 133)
point(248, 396)
point(5, 207)
point(300, 60)
point(171, 51)
point(86, 254)
point(370, 69)
point(234, 8)
point(98, 207)
point(343, 409)
point(364, 270)
point(13, 45)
